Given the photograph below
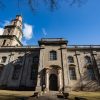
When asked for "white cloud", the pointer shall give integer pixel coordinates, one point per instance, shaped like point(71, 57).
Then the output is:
point(27, 31)
point(44, 31)
point(24, 42)
point(6, 22)
point(1, 30)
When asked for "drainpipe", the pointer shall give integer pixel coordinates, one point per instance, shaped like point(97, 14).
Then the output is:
point(79, 70)
point(22, 69)
point(9, 62)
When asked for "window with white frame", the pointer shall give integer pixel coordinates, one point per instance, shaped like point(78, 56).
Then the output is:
point(53, 55)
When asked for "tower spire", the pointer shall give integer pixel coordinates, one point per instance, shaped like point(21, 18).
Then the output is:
point(14, 32)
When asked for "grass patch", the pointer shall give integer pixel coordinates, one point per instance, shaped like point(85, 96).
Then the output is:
point(87, 95)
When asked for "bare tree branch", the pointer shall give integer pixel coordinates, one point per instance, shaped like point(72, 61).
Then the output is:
point(52, 4)
point(2, 6)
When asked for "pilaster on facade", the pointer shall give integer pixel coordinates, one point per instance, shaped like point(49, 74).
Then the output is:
point(47, 80)
point(40, 69)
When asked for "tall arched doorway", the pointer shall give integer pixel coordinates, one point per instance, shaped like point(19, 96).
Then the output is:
point(53, 82)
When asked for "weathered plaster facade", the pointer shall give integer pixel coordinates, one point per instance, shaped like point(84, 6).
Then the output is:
point(53, 65)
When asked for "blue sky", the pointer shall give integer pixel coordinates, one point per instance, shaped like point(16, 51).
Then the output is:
point(78, 25)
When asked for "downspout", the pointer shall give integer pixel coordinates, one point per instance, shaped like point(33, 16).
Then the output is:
point(9, 65)
point(22, 69)
point(81, 81)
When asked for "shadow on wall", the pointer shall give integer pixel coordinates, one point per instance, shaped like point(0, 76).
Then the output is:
point(19, 74)
point(89, 79)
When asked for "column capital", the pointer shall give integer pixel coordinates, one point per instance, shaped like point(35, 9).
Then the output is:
point(47, 70)
point(59, 71)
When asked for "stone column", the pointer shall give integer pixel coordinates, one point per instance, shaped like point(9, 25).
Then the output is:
point(47, 80)
point(60, 79)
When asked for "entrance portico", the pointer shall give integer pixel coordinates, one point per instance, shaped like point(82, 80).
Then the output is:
point(53, 78)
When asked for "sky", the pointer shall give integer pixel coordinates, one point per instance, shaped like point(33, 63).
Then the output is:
point(78, 25)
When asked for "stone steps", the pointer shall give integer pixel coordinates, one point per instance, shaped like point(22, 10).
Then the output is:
point(51, 93)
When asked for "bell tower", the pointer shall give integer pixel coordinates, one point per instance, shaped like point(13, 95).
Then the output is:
point(12, 34)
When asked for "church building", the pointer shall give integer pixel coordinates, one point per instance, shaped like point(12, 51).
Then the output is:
point(52, 65)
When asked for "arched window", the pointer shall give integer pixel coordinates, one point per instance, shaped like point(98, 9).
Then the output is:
point(53, 55)
point(9, 30)
point(19, 60)
point(3, 59)
point(87, 59)
point(72, 73)
point(1, 69)
point(90, 72)
point(70, 59)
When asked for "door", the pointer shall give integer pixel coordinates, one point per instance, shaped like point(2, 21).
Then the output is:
point(53, 82)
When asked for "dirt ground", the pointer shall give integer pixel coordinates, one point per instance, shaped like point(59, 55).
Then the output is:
point(26, 95)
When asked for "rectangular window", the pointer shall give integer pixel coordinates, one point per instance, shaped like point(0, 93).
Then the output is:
point(91, 74)
point(1, 69)
point(72, 73)
point(36, 60)
point(16, 72)
point(70, 59)
point(53, 55)
point(34, 72)
point(3, 59)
